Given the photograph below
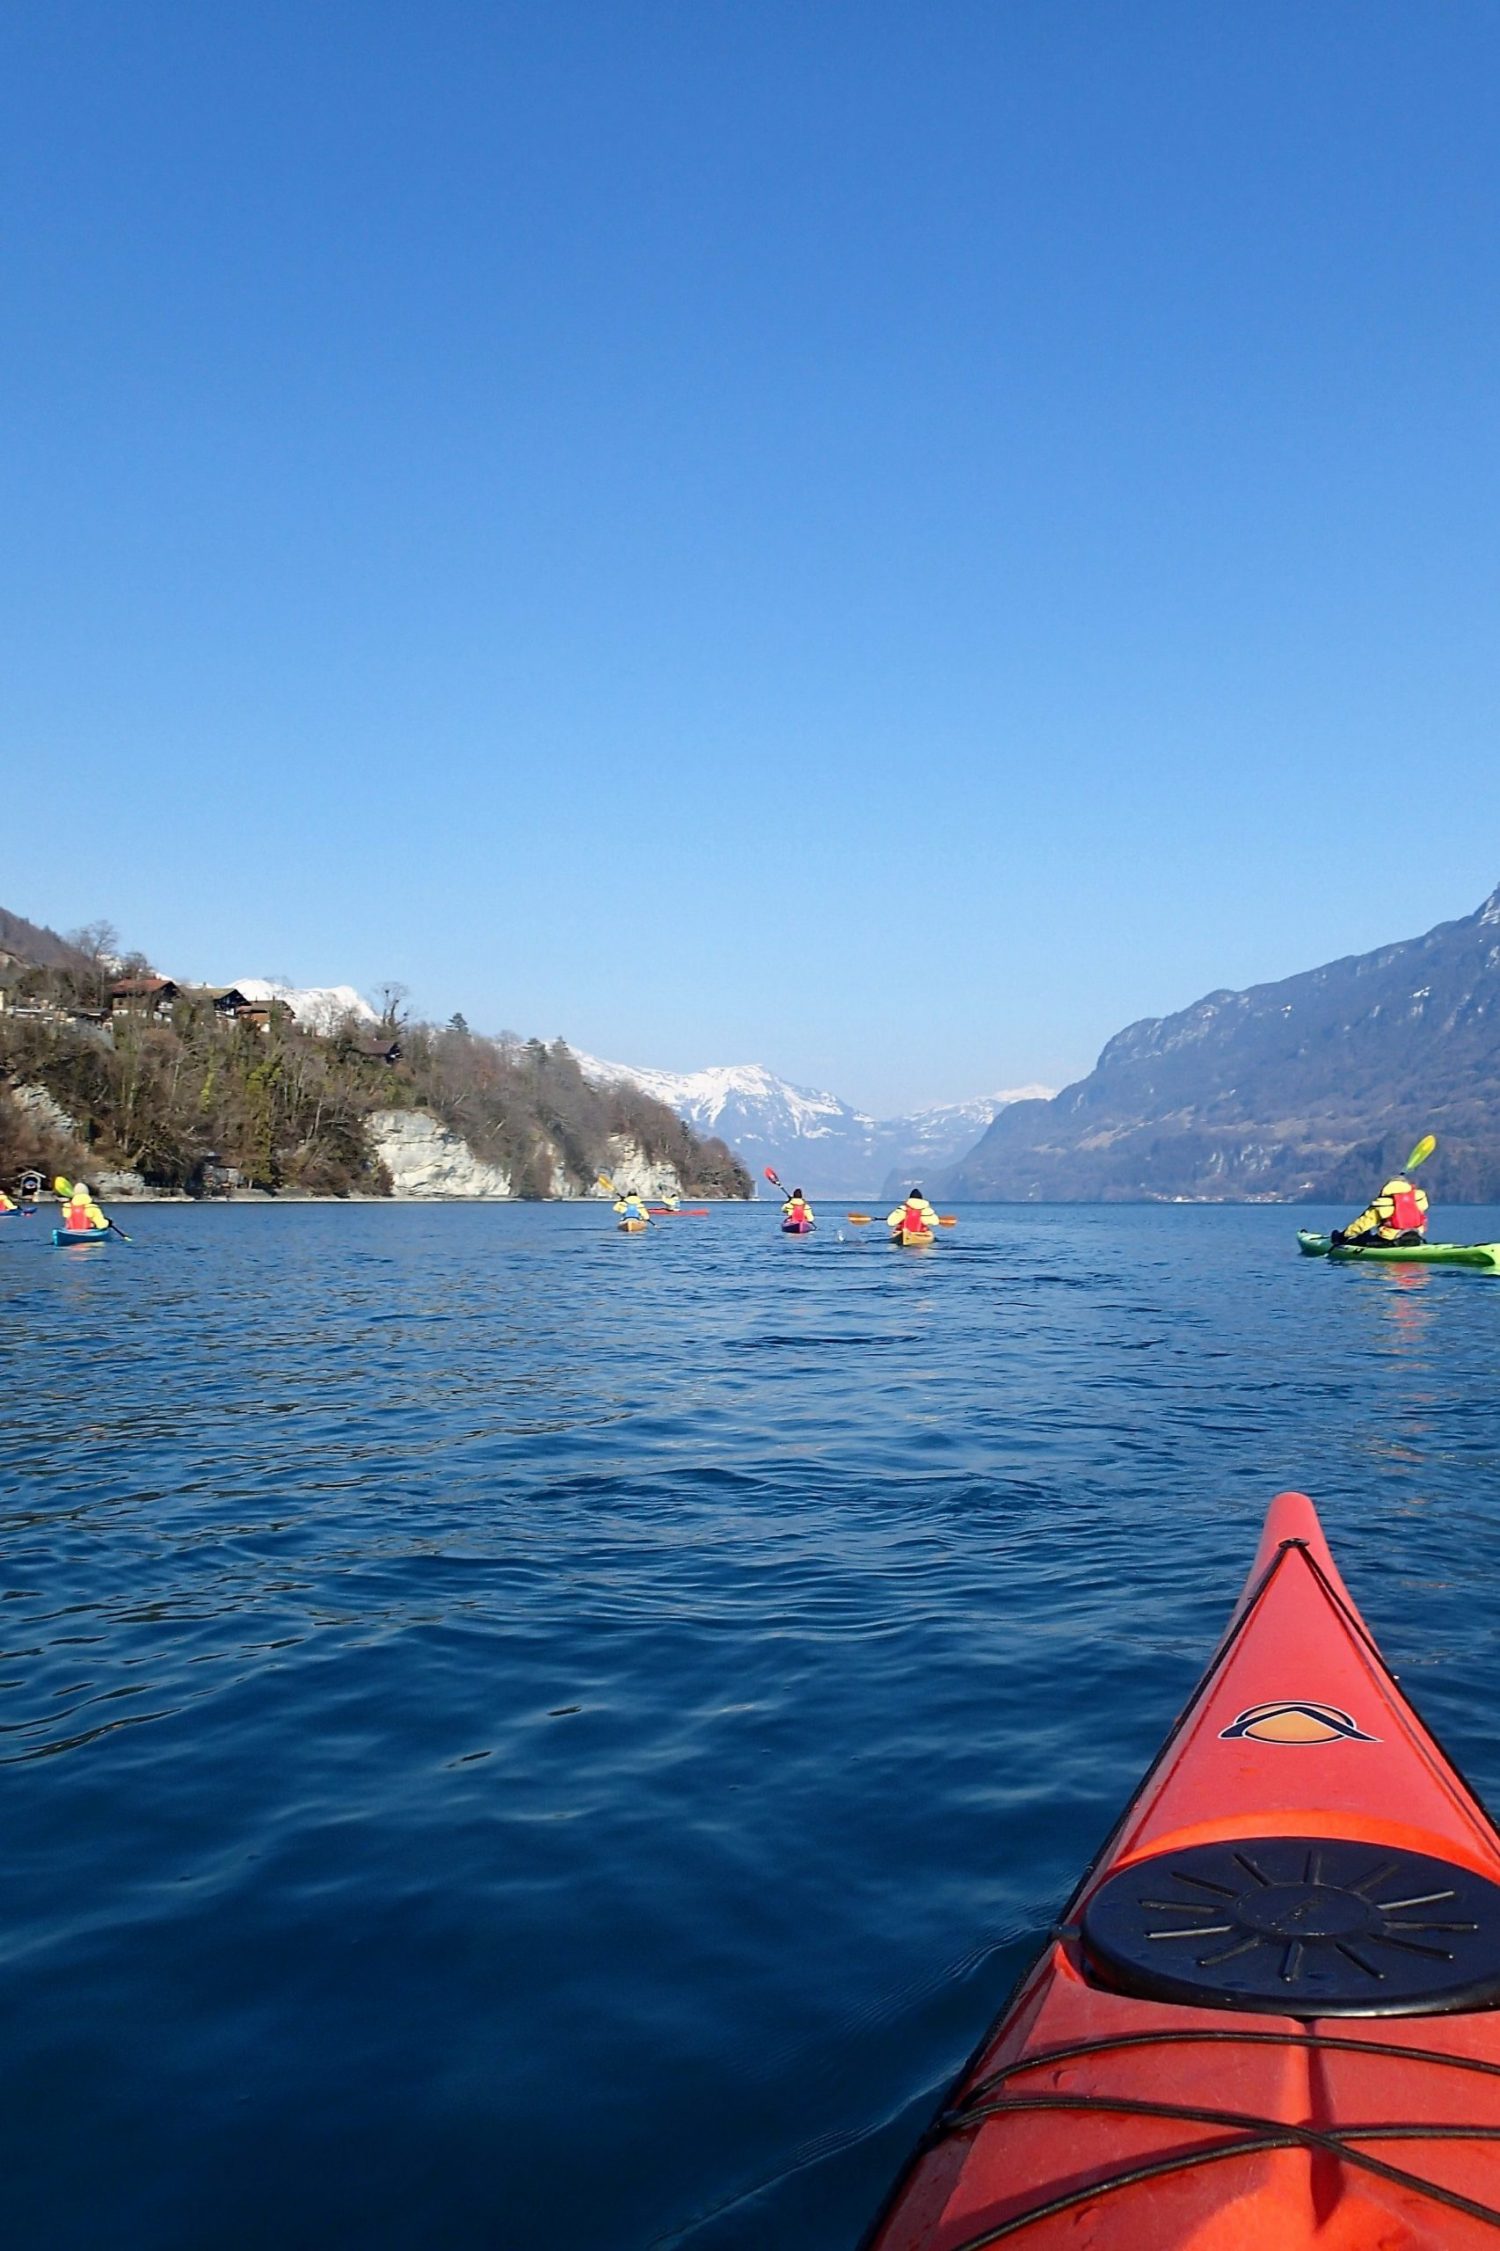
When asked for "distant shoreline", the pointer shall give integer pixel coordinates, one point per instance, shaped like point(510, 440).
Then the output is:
point(260, 1197)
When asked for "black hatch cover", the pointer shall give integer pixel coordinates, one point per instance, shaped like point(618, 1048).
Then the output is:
point(1299, 1926)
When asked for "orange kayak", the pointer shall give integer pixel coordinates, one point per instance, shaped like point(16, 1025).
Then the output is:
point(1269, 2019)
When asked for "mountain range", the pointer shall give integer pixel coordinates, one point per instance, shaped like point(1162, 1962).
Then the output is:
point(1302, 1090)
point(813, 1139)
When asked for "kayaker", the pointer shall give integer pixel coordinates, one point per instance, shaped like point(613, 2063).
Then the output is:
point(1397, 1215)
point(7, 1203)
point(912, 1216)
point(798, 1210)
point(80, 1212)
point(631, 1206)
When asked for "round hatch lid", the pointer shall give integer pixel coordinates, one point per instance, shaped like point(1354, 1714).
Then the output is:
point(1299, 1926)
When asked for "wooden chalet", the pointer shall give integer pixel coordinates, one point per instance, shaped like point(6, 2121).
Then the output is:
point(144, 996)
point(235, 1008)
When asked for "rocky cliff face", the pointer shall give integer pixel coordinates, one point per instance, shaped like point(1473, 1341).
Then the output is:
point(1296, 1090)
point(425, 1160)
point(428, 1162)
point(639, 1175)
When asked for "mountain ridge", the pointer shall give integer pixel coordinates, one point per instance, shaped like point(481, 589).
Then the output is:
point(1291, 1091)
point(815, 1139)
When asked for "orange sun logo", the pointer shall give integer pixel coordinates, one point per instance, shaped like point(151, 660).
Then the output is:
point(1296, 1723)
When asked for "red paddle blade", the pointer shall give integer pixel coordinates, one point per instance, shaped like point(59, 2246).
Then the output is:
point(769, 1174)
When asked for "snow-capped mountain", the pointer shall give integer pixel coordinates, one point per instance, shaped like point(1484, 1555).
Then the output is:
point(319, 1008)
point(815, 1140)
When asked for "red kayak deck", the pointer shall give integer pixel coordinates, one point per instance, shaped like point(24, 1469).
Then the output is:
point(1267, 2020)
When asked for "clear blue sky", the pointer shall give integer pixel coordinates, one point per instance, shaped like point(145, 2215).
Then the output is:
point(885, 540)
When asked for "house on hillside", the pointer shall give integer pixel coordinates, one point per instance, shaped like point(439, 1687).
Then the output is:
point(149, 997)
point(18, 997)
point(235, 1008)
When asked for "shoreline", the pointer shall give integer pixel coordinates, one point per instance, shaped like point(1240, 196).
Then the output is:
point(263, 1196)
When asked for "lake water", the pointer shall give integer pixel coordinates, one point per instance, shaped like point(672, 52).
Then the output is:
point(519, 1736)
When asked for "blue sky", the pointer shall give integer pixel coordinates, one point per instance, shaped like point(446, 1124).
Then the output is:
point(886, 541)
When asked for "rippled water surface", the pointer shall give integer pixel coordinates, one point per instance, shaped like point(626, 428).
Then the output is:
point(519, 1736)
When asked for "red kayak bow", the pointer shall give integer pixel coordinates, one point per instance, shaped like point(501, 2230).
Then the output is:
point(1268, 2019)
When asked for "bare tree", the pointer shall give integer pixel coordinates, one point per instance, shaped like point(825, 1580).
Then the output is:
point(99, 940)
point(392, 993)
point(99, 943)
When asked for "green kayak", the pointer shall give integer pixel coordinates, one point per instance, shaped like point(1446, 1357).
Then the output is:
point(1403, 1254)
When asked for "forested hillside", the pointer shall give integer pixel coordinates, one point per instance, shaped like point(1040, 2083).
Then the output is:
point(169, 1093)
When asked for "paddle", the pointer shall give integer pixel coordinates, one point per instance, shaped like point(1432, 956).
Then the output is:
point(862, 1218)
point(64, 1188)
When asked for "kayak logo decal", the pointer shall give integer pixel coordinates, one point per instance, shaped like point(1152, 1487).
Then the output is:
point(1296, 1723)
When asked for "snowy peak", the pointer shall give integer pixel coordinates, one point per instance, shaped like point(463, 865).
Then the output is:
point(744, 1093)
point(806, 1132)
point(318, 1008)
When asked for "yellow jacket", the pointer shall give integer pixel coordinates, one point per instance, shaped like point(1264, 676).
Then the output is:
point(918, 1204)
point(796, 1207)
point(1378, 1216)
point(631, 1207)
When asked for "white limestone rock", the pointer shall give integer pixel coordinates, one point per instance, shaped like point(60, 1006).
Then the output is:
point(425, 1159)
point(636, 1174)
point(44, 1110)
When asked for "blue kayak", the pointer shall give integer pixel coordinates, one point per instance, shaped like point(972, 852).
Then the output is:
point(73, 1238)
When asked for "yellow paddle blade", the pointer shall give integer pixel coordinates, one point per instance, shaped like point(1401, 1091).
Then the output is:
point(947, 1219)
point(61, 1187)
point(1422, 1152)
point(606, 1184)
point(858, 1218)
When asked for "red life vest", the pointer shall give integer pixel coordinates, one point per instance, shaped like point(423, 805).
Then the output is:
point(1406, 1212)
point(913, 1220)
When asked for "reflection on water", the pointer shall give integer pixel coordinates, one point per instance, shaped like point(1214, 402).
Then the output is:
point(515, 1735)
